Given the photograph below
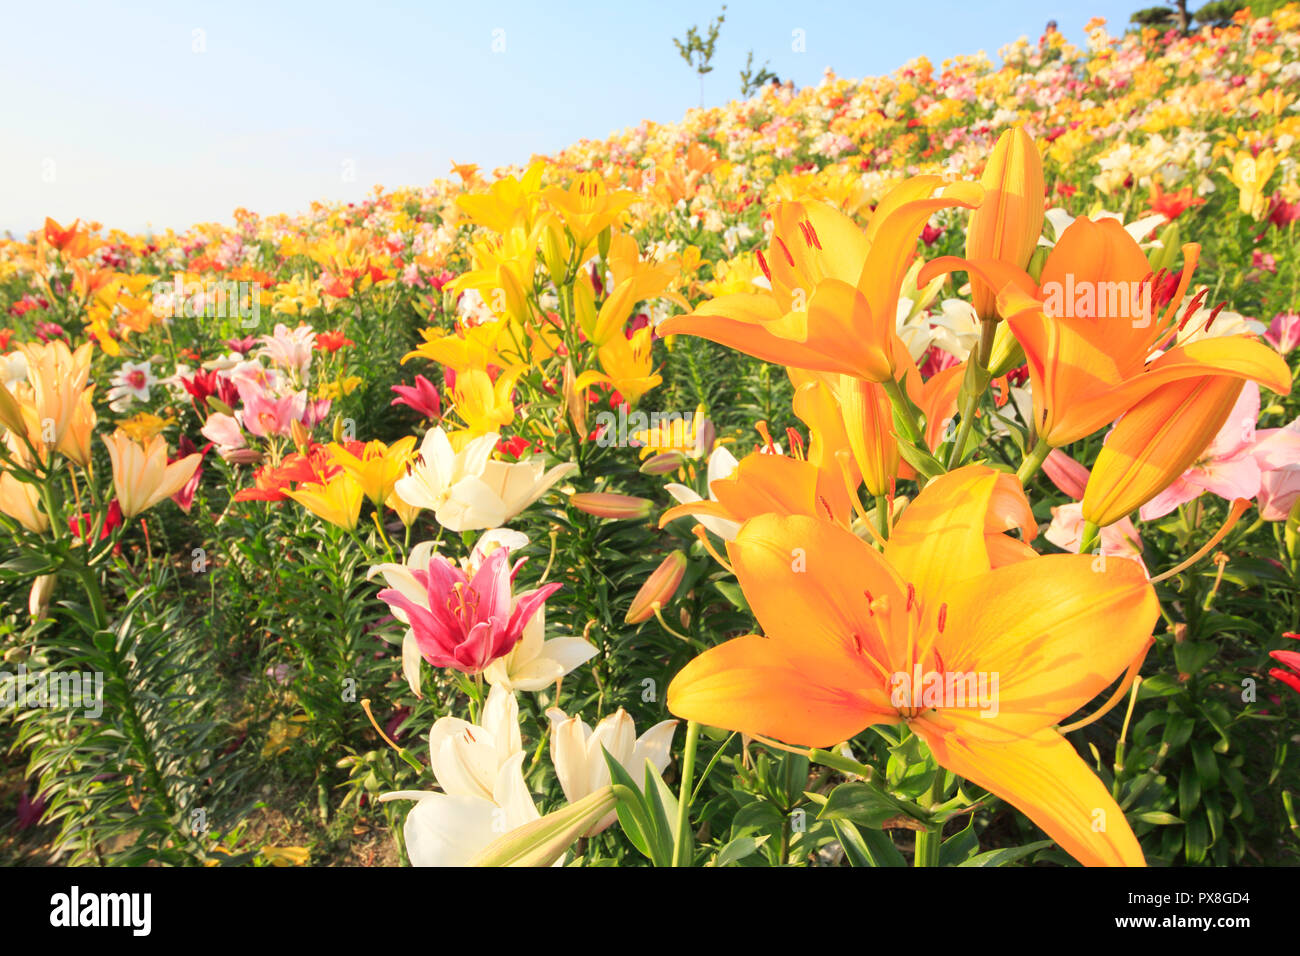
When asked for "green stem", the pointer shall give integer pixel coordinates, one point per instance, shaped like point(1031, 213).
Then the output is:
point(903, 407)
point(1091, 536)
point(1033, 461)
point(882, 516)
point(681, 852)
point(927, 847)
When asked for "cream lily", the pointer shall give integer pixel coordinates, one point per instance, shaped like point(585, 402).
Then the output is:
point(141, 475)
point(450, 483)
point(576, 752)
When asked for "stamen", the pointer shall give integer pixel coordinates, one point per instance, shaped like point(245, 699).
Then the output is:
point(784, 249)
point(703, 535)
point(796, 443)
point(1239, 507)
point(762, 261)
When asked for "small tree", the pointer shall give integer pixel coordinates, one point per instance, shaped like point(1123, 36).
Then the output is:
point(750, 81)
point(697, 50)
point(1159, 17)
point(1219, 13)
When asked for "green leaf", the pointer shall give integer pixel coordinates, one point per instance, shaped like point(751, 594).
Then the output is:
point(872, 848)
point(738, 849)
point(1006, 855)
point(862, 804)
point(960, 846)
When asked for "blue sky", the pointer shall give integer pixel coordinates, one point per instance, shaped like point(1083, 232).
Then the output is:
point(164, 114)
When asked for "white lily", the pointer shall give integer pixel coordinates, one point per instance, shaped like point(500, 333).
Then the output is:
point(480, 769)
point(447, 829)
point(467, 758)
point(535, 663)
point(1060, 220)
point(517, 485)
point(450, 483)
point(722, 464)
point(576, 752)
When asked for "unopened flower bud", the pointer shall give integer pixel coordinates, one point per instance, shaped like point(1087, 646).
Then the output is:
point(658, 589)
point(604, 504)
point(663, 463)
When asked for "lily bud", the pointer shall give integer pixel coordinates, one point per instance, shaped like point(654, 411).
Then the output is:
point(38, 601)
point(1006, 226)
point(1037, 261)
point(241, 456)
point(575, 401)
point(1143, 455)
point(663, 463)
point(11, 413)
point(217, 405)
point(555, 252)
point(298, 431)
point(542, 842)
point(604, 504)
point(658, 589)
point(1006, 354)
point(1165, 256)
point(516, 299)
point(706, 433)
point(584, 305)
point(868, 424)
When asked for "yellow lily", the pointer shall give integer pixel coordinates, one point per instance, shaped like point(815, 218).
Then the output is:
point(58, 376)
point(467, 347)
point(337, 501)
point(378, 466)
point(588, 207)
point(628, 364)
point(506, 202)
point(1250, 174)
point(483, 405)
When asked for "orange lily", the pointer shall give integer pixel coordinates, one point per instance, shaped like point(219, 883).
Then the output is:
point(834, 288)
point(763, 484)
point(1088, 346)
point(843, 621)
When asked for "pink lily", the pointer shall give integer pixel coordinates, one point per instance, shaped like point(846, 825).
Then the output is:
point(462, 622)
point(421, 396)
point(1284, 332)
point(289, 348)
point(266, 417)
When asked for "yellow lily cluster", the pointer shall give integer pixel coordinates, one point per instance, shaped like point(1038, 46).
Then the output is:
point(559, 284)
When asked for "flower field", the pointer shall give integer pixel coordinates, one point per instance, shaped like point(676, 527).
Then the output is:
point(893, 471)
